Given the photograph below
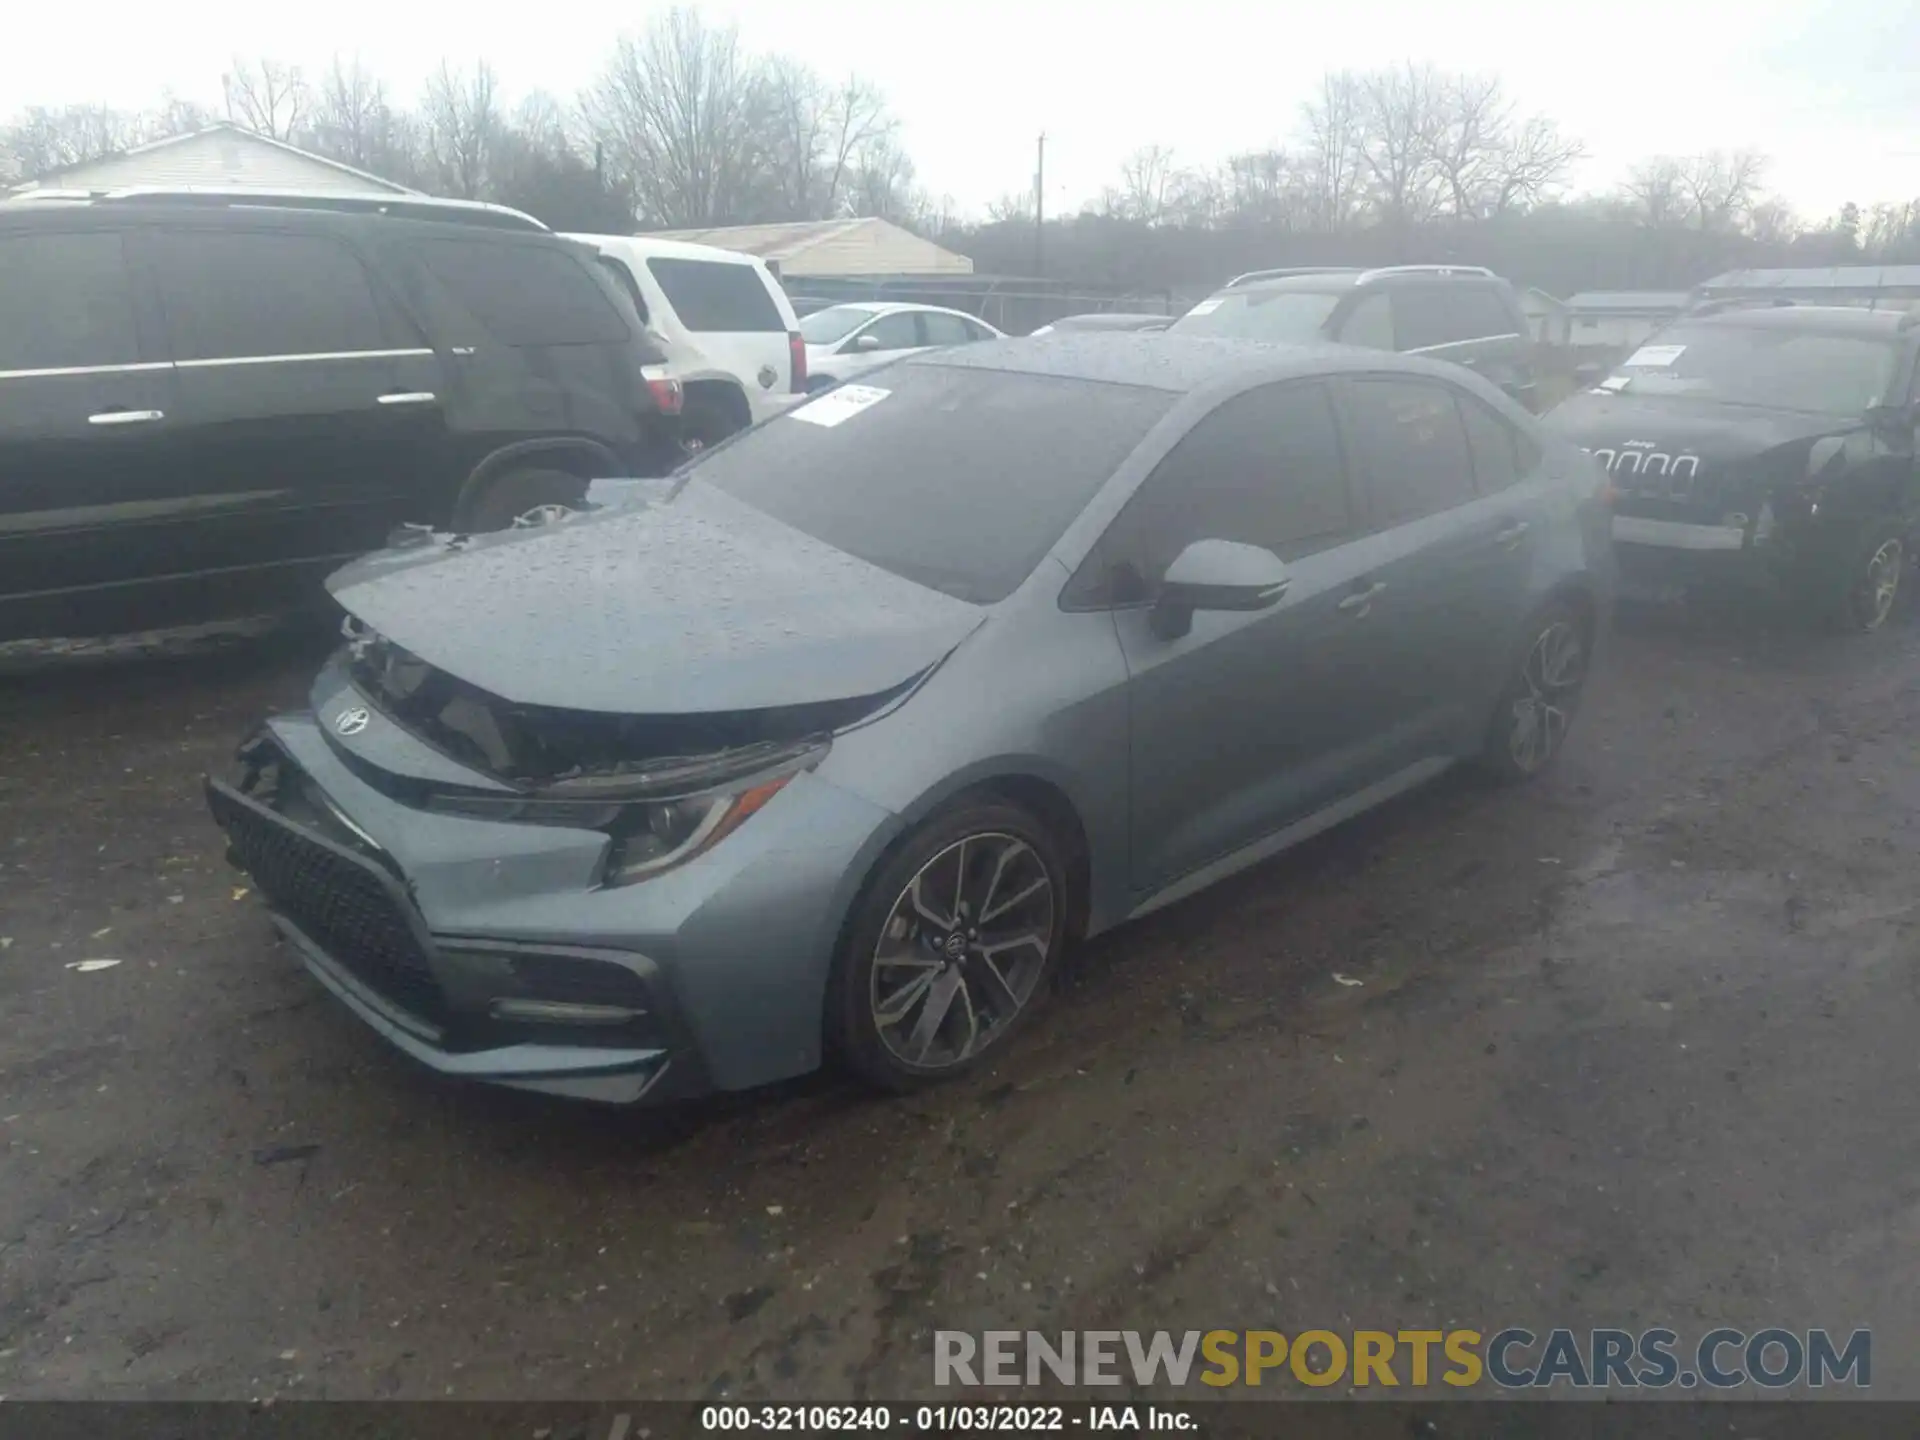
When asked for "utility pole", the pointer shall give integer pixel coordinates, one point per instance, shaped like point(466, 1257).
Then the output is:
point(1040, 211)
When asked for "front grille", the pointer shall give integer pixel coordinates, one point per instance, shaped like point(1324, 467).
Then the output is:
point(344, 903)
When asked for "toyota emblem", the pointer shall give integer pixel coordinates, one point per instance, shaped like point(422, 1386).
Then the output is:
point(352, 722)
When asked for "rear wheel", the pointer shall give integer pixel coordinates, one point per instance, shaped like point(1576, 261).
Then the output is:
point(528, 496)
point(1536, 709)
point(949, 948)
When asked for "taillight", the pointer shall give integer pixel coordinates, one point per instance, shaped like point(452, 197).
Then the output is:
point(797, 360)
point(666, 391)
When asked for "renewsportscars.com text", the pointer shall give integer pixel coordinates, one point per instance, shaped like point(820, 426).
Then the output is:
point(1512, 1359)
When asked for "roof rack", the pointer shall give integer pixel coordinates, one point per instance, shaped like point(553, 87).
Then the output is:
point(1376, 273)
point(408, 207)
point(1714, 305)
point(1287, 270)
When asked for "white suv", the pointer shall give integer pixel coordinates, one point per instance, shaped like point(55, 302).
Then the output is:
point(728, 329)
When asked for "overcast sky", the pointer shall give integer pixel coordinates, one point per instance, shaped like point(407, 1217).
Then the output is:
point(1829, 91)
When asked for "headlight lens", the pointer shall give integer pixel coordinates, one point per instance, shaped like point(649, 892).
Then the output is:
point(656, 837)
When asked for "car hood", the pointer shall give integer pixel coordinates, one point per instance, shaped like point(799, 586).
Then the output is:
point(1613, 425)
point(682, 605)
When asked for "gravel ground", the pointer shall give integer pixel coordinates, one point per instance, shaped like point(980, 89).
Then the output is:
point(1633, 1046)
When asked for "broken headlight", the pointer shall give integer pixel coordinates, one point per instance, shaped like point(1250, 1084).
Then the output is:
point(658, 836)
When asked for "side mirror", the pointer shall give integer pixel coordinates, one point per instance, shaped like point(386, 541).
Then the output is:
point(1216, 575)
point(865, 344)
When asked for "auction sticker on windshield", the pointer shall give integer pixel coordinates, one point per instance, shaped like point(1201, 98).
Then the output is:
point(840, 404)
point(1655, 355)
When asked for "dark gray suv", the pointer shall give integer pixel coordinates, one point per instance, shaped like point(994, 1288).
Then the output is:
point(1462, 313)
point(204, 407)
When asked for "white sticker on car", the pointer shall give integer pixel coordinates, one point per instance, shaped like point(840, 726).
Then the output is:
point(839, 404)
point(1613, 384)
point(1205, 307)
point(1655, 355)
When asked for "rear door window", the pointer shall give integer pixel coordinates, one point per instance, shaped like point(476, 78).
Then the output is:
point(526, 294)
point(1413, 453)
point(1369, 323)
point(246, 294)
point(716, 297)
point(946, 329)
point(1501, 454)
point(898, 331)
point(66, 302)
point(1429, 315)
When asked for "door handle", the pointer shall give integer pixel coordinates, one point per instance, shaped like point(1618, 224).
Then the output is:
point(1358, 603)
point(126, 417)
point(1511, 536)
point(409, 397)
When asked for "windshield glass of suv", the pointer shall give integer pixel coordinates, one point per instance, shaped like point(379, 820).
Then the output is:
point(1279, 315)
point(1763, 366)
point(836, 322)
point(956, 478)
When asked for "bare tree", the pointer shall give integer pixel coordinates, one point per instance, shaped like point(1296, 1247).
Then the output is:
point(679, 109)
point(1331, 144)
point(1399, 134)
point(265, 96)
point(1533, 161)
point(815, 132)
point(1772, 221)
point(460, 117)
point(1014, 207)
point(1658, 191)
point(880, 183)
point(42, 140)
point(1145, 179)
point(1721, 187)
point(352, 120)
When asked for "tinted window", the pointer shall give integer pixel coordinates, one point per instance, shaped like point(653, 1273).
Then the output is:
point(1426, 315)
point(1278, 315)
point(1762, 365)
point(1413, 450)
point(1264, 469)
point(836, 322)
point(947, 330)
point(711, 295)
point(1501, 454)
point(624, 281)
point(1370, 324)
point(899, 331)
point(65, 301)
point(233, 294)
point(526, 294)
point(958, 479)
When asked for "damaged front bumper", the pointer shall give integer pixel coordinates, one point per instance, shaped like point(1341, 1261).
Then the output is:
point(487, 950)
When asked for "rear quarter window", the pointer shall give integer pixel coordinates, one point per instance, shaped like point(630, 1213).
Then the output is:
point(526, 294)
point(717, 297)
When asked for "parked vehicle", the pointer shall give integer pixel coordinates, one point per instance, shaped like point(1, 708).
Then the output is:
point(1768, 441)
point(847, 340)
point(729, 331)
point(1107, 320)
point(834, 742)
point(1462, 313)
point(206, 407)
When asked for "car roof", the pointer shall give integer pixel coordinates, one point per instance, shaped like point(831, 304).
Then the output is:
point(1332, 279)
point(1159, 360)
point(893, 307)
point(648, 247)
point(1810, 319)
point(16, 216)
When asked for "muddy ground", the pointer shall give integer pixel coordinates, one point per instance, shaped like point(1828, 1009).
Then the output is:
point(1636, 1046)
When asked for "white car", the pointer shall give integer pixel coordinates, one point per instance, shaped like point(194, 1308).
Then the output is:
point(847, 340)
point(730, 334)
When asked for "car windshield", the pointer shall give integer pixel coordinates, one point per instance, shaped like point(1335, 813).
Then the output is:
point(836, 322)
point(957, 478)
point(1279, 315)
point(1765, 366)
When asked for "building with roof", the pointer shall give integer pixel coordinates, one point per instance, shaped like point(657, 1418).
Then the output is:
point(1875, 286)
point(1546, 314)
point(833, 249)
point(1620, 319)
point(221, 157)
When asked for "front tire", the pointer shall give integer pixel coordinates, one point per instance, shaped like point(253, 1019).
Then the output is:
point(1537, 706)
point(1865, 585)
point(950, 947)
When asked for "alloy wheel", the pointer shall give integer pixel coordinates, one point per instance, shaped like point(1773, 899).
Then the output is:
point(541, 515)
point(962, 951)
point(1551, 676)
point(1880, 586)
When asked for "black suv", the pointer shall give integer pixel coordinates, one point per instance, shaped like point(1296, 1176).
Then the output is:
point(206, 407)
point(1463, 313)
point(1766, 440)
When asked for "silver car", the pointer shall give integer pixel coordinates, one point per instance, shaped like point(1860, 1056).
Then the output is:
point(828, 745)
